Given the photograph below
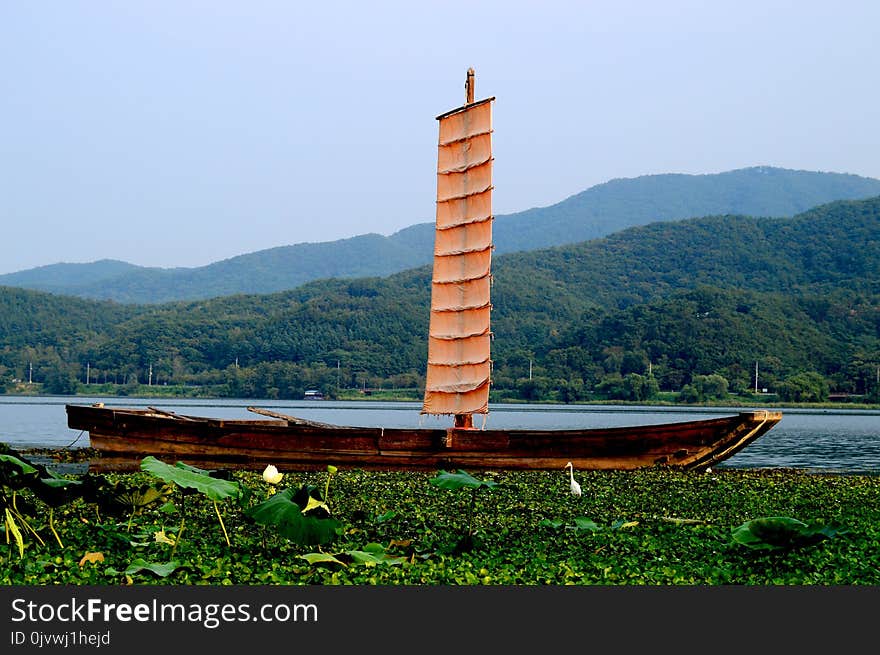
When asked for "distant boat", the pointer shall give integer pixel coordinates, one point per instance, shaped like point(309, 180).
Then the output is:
point(458, 376)
point(313, 394)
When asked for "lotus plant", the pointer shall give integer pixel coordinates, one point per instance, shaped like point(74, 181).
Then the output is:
point(190, 477)
point(272, 476)
point(330, 471)
point(463, 480)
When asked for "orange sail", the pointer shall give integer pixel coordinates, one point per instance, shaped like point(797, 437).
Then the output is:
point(459, 364)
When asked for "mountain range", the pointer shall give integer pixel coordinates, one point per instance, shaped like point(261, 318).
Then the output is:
point(691, 297)
point(601, 210)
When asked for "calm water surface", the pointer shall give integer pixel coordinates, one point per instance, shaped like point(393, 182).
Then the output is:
point(820, 440)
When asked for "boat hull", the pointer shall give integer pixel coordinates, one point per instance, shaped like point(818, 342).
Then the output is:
point(124, 436)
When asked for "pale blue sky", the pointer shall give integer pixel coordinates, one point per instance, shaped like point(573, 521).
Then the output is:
point(178, 133)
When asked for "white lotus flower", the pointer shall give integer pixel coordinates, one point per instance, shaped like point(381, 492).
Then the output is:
point(271, 475)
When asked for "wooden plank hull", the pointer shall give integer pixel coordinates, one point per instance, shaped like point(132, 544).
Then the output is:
point(124, 436)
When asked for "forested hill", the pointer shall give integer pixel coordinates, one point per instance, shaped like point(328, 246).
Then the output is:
point(596, 212)
point(695, 297)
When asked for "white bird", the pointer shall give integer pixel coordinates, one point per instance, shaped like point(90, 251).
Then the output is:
point(575, 487)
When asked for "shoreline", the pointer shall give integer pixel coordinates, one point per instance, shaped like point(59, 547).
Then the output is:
point(732, 402)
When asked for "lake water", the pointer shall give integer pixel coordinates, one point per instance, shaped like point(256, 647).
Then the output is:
point(820, 440)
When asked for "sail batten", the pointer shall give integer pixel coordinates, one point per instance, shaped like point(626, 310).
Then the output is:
point(459, 358)
point(473, 208)
point(474, 180)
point(458, 296)
point(462, 155)
point(453, 269)
point(464, 239)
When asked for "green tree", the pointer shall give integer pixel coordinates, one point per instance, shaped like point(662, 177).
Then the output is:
point(639, 387)
point(61, 382)
point(611, 386)
point(534, 389)
point(804, 388)
point(689, 394)
point(571, 390)
point(711, 386)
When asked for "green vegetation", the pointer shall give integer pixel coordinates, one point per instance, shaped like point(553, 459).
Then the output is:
point(651, 527)
point(596, 212)
point(618, 318)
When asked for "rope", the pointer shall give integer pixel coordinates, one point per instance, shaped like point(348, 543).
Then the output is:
point(81, 432)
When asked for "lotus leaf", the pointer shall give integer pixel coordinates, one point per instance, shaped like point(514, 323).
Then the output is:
point(284, 511)
point(583, 523)
point(460, 479)
point(189, 477)
point(321, 558)
point(781, 532)
point(162, 570)
point(15, 473)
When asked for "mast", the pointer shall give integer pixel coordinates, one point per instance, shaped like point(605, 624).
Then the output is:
point(459, 359)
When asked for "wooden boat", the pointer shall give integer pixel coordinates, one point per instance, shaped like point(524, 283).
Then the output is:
point(457, 381)
point(123, 436)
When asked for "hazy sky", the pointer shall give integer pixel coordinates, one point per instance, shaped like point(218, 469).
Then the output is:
point(179, 133)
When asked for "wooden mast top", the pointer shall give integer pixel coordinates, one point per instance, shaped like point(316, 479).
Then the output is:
point(469, 94)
